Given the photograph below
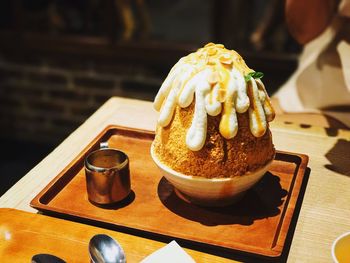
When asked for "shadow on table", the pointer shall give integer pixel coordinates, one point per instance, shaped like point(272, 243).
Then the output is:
point(339, 157)
point(262, 201)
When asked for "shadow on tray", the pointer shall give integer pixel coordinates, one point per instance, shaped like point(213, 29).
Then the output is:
point(262, 201)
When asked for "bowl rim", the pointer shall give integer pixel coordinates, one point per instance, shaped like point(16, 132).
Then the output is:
point(335, 243)
point(198, 178)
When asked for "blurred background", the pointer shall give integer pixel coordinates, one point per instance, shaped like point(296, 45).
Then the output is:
point(60, 60)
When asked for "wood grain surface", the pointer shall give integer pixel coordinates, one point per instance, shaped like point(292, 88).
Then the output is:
point(325, 210)
point(24, 234)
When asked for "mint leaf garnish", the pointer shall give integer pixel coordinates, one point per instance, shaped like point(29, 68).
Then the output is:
point(254, 75)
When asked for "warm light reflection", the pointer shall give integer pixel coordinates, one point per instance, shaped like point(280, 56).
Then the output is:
point(7, 235)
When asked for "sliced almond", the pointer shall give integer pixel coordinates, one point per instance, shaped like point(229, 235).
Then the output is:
point(226, 59)
point(212, 51)
point(209, 44)
point(214, 77)
point(211, 61)
point(221, 95)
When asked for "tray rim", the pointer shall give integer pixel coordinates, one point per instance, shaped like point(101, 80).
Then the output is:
point(284, 223)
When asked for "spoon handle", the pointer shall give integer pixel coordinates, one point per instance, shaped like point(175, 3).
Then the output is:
point(46, 258)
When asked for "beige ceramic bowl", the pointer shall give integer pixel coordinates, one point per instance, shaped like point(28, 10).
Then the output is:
point(209, 192)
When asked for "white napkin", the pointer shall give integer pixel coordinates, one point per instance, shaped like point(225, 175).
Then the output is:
point(171, 253)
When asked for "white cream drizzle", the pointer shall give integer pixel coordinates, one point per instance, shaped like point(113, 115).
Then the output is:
point(214, 76)
point(257, 121)
point(228, 125)
point(269, 112)
point(242, 100)
point(212, 102)
point(198, 129)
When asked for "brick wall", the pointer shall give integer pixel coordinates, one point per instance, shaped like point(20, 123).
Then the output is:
point(46, 99)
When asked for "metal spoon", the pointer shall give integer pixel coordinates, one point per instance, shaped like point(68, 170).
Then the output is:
point(46, 258)
point(104, 249)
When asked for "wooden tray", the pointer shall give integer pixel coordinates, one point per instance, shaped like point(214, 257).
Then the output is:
point(258, 224)
point(23, 234)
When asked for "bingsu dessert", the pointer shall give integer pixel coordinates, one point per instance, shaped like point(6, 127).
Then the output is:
point(214, 117)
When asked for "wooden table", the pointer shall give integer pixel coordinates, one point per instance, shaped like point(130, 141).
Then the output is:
point(325, 210)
